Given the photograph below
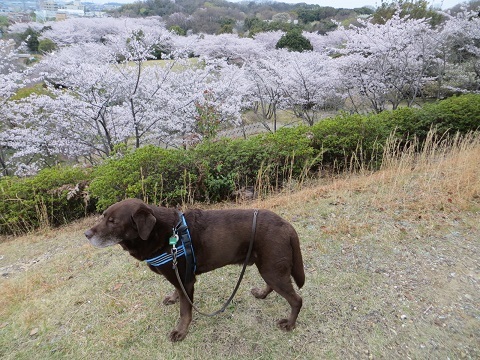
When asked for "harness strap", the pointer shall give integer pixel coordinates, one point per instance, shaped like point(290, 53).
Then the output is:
point(247, 259)
point(184, 234)
point(183, 247)
point(165, 258)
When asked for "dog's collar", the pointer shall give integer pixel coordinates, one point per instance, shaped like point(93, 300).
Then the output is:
point(184, 248)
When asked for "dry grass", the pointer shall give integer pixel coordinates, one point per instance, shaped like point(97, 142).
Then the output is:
point(393, 272)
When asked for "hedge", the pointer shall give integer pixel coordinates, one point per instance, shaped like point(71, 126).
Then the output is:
point(151, 173)
point(209, 172)
point(53, 197)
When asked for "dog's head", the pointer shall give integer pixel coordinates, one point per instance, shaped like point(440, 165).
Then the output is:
point(126, 220)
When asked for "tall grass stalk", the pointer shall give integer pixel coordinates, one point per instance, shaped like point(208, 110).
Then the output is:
point(441, 170)
point(41, 210)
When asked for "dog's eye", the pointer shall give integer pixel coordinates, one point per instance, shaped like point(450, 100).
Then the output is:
point(111, 220)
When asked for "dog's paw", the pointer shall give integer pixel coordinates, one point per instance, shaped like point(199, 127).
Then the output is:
point(170, 300)
point(176, 335)
point(285, 325)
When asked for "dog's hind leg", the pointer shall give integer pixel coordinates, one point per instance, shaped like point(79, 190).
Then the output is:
point(171, 299)
point(286, 290)
point(283, 286)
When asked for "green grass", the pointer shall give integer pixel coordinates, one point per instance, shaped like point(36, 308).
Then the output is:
point(391, 265)
point(25, 92)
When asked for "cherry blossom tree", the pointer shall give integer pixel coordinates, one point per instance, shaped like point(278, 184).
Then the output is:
point(309, 84)
point(226, 92)
point(11, 79)
point(325, 43)
point(227, 46)
point(10, 74)
point(266, 91)
point(94, 101)
point(268, 40)
point(21, 27)
point(386, 64)
point(105, 94)
point(75, 30)
point(458, 53)
point(37, 141)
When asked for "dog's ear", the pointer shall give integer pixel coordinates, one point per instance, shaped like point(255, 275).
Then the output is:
point(145, 221)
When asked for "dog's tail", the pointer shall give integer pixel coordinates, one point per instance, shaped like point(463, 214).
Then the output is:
point(298, 272)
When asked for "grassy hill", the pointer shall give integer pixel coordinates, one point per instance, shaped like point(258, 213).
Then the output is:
point(392, 264)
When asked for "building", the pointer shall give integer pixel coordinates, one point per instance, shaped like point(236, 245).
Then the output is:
point(52, 10)
point(73, 9)
point(49, 5)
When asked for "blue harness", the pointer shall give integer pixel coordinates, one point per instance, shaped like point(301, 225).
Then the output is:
point(184, 248)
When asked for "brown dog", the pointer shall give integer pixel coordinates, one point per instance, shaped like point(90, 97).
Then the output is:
point(219, 238)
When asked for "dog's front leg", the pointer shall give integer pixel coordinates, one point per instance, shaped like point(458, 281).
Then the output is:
point(179, 333)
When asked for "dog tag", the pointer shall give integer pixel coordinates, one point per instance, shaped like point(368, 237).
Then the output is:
point(173, 239)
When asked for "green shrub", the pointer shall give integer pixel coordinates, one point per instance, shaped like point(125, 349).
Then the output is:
point(455, 114)
point(403, 121)
point(348, 139)
point(154, 174)
point(53, 197)
point(209, 172)
point(293, 40)
point(239, 163)
point(46, 46)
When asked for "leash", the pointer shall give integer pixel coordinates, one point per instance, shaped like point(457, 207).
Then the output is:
point(249, 253)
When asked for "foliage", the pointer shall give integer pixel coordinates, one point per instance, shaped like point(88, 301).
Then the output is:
point(209, 172)
point(348, 138)
point(404, 122)
point(217, 17)
point(271, 158)
point(104, 92)
point(255, 25)
point(4, 23)
point(177, 30)
point(30, 37)
point(102, 76)
point(53, 197)
point(414, 9)
point(227, 25)
point(310, 13)
point(293, 40)
point(213, 170)
point(154, 174)
point(207, 120)
point(46, 46)
point(452, 115)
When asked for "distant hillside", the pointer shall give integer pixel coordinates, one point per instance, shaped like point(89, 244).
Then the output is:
point(249, 17)
point(220, 16)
